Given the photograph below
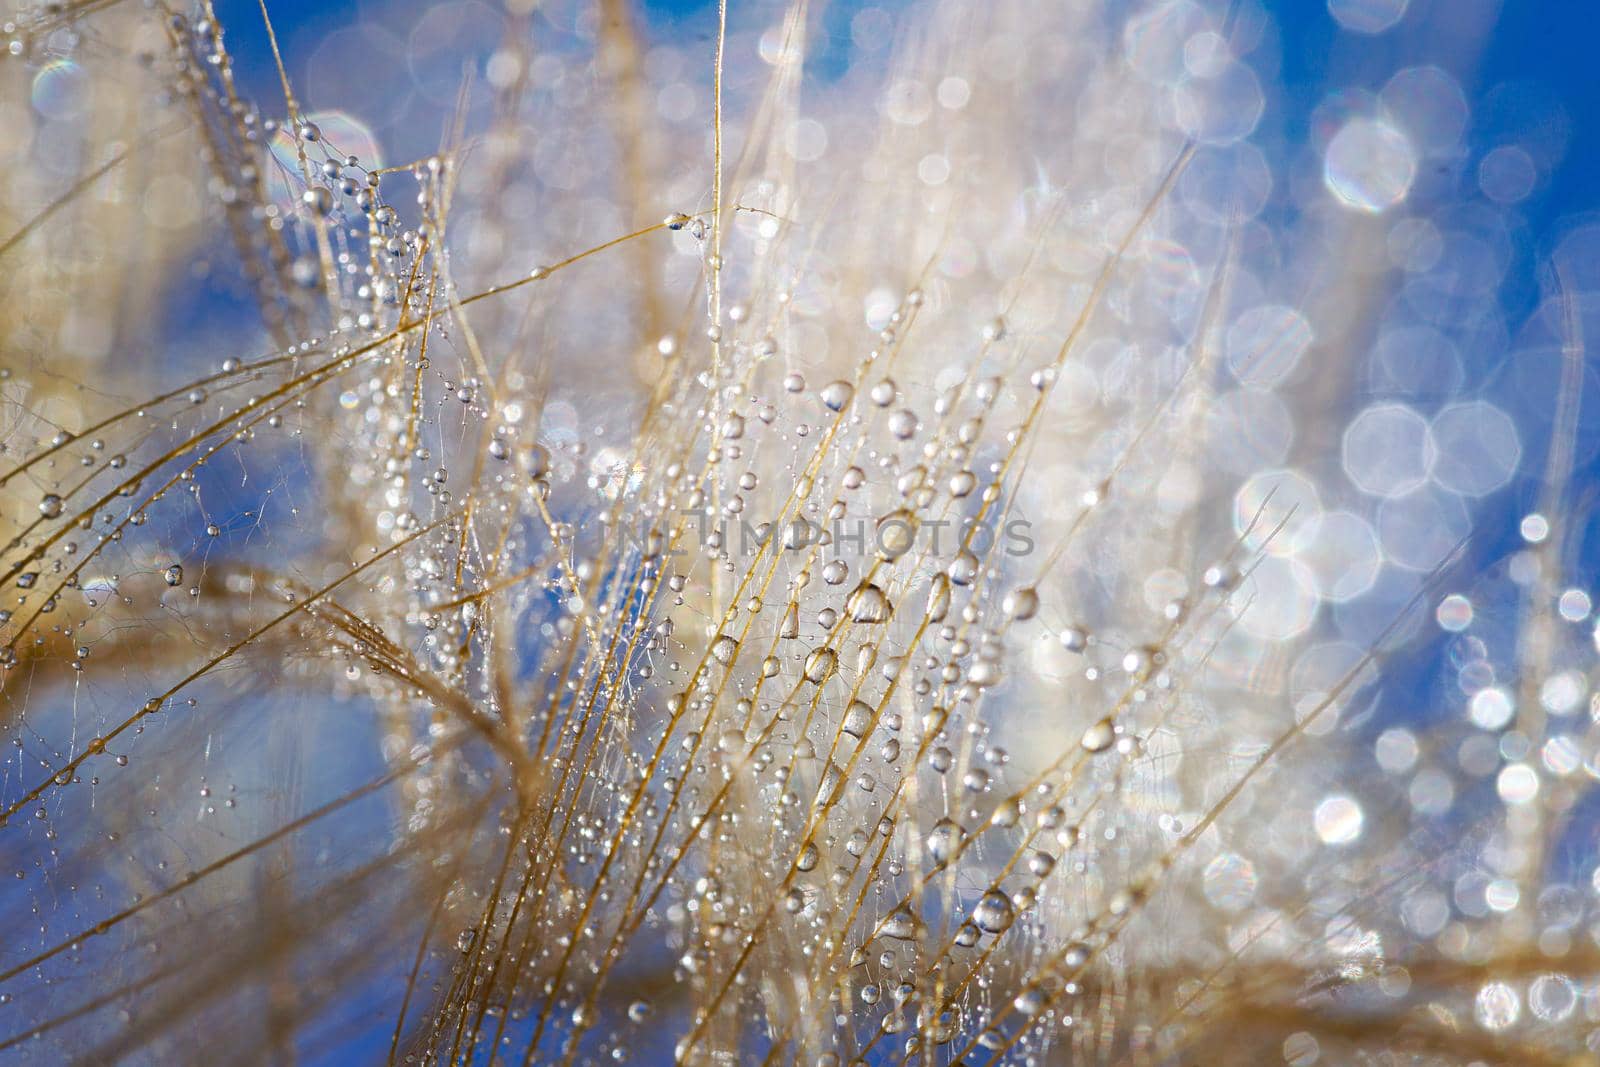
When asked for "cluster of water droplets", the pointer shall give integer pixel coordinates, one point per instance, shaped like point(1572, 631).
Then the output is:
point(852, 628)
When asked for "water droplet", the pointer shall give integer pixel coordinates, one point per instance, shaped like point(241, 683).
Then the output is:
point(820, 664)
point(868, 604)
point(984, 673)
point(943, 841)
point(835, 395)
point(319, 199)
point(857, 719)
point(1099, 737)
point(994, 913)
point(896, 533)
point(1008, 812)
point(536, 460)
point(939, 598)
point(174, 575)
point(964, 568)
point(901, 925)
point(828, 787)
point(1021, 604)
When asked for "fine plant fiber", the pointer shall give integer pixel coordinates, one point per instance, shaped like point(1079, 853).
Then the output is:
point(734, 557)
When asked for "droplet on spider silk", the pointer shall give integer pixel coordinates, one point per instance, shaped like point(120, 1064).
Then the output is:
point(50, 507)
point(174, 575)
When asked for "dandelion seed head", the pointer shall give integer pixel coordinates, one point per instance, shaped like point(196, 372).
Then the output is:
point(857, 550)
